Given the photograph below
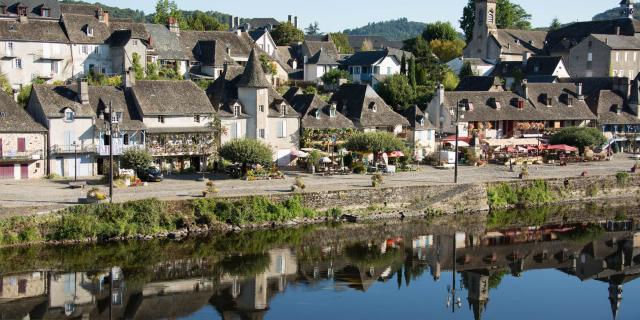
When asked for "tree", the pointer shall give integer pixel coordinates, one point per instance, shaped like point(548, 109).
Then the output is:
point(412, 72)
point(246, 152)
point(334, 75)
point(450, 81)
point(201, 21)
point(342, 42)
point(508, 15)
point(440, 31)
point(268, 66)
point(310, 90)
point(153, 71)
point(5, 85)
point(580, 137)
point(136, 159)
point(313, 29)
point(466, 70)
point(555, 24)
point(403, 65)
point(286, 33)
point(138, 70)
point(374, 142)
point(367, 45)
point(447, 50)
point(396, 91)
point(166, 9)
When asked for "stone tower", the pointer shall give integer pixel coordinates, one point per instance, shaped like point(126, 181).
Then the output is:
point(253, 94)
point(484, 26)
point(627, 9)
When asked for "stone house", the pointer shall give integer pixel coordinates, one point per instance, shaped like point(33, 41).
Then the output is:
point(67, 114)
point(601, 55)
point(365, 65)
point(319, 64)
point(16, 286)
point(420, 134)
point(539, 69)
point(179, 122)
point(249, 107)
point(366, 109)
point(262, 38)
point(22, 142)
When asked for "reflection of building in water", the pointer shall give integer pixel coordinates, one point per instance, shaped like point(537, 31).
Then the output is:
point(478, 292)
point(22, 285)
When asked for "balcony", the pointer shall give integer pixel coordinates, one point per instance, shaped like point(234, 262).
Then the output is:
point(48, 56)
point(43, 75)
point(70, 149)
point(14, 156)
point(118, 149)
point(7, 54)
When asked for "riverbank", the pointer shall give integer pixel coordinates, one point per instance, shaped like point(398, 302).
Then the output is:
point(152, 218)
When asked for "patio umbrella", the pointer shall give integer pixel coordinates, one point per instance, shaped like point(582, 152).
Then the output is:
point(563, 147)
point(396, 154)
point(299, 154)
point(325, 160)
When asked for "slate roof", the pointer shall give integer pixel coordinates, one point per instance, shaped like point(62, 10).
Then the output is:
point(224, 88)
point(560, 109)
point(616, 42)
point(212, 53)
point(378, 42)
point(355, 101)
point(286, 56)
point(171, 98)
point(253, 75)
point(33, 8)
point(13, 118)
point(226, 110)
point(311, 48)
point(591, 86)
point(611, 108)
point(164, 43)
point(240, 45)
point(507, 69)
point(479, 83)
point(519, 41)
point(76, 26)
point(291, 93)
point(567, 37)
point(485, 106)
point(79, 8)
point(257, 34)
point(366, 58)
point(276, 103)
point(261, 23)
point(542, 65)
point(322, 58)
point(35, 30)
point(55, 99)
point(308, 104)
point(415, 115)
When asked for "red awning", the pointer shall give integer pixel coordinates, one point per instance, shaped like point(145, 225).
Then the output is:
point(453, 139)
point(562, 147)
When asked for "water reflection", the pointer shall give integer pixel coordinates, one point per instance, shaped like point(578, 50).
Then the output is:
point(237, 277)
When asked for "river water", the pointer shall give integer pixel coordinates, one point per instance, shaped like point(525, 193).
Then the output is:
point(468, 269)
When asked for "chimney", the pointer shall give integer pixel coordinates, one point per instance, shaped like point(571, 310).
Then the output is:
point(289, 20)
point(228, 49)
point(617, 30)
point(173, 25)
point(83, 91)
point(232, 22)
point(16, 93)
point(579, 91)
point(103, 16)
point(295, 22)
point(236, 22)
point(128, 78)
point(525, 89)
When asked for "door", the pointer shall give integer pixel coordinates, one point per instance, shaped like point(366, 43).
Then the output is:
point(70, 165)
point(6, 171)
point(24, 171)
point(84, 166)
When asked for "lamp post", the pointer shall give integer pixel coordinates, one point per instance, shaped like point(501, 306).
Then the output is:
point(455, 177)
point(441, 141)
point(453, 299)
point(112, 121)
point(75, 160)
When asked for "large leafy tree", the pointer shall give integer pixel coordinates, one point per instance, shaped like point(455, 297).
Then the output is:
point(334, 75)
point(580, 137)
point(440, 31)
point(286, 34)
point(166, 9)
point(508, 15)
point(246, 152)
point(396, 91)
point(136, 159)
point(447, 50)
point(375, 142)
point(201, 21)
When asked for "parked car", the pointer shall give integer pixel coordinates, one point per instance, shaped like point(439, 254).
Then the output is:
point(150, 174)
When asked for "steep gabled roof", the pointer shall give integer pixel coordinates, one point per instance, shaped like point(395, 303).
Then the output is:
point(276, 103)
point(542, 65)
point(212, 53)
point(567, 37)
point(76, 26)
point(13, 118)
point(164, 43)
point(224, 88)
point(253, 75)
point(79, 8)
point(560, 109)
point(261, 23)
point(611, 108)
point(55, 99)
point(514, 41)
point(479, 83)
point(308, 104)
point(322, 58)
point(311, 48)
point(35, 30)
point(361, 104)
point(168, 98)
point(33, 8)
point(417, 118)
point(100, 97)
point(366, 58)
point(617, 42)
point(492, 106)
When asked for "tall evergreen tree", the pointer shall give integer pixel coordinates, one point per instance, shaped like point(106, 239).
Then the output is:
point(412, 73)
point(403, 65)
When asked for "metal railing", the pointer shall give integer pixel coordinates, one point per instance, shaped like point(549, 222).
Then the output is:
point(24, 156)
point(66, 149)
point(118, 149)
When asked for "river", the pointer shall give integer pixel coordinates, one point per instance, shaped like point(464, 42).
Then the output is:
point(470, 268)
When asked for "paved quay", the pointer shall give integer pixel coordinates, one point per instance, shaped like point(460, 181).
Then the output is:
point(38, 196)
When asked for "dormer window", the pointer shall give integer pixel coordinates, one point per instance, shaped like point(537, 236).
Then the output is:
point(283, 109)
point(421, 120)
point(617, 108)
point(3, 9)
point(196, 118)
point(236, 111)
point(22, 11)
point(549, 102)
point(45, 12)
point(89, 31)
point(570, 102)
point(69, 115)
point(317, 113)
point(332, 111)
point(373, 107)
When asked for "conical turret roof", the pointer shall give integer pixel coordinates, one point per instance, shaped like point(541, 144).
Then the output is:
point(253, 76)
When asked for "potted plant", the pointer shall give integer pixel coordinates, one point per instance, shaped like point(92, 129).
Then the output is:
point(298, 185)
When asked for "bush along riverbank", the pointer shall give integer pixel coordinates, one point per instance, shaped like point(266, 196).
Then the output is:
point(146, 219)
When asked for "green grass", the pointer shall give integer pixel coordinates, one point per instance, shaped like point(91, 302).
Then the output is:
point(533, 194)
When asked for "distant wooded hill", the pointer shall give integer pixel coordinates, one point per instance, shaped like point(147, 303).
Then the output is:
point(400, 29)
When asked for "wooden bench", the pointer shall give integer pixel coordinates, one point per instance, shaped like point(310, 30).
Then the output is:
point(77, 184)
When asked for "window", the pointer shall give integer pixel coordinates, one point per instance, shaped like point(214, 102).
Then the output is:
point(262, 134)
point(118, 116)
point(125, 139)
point(332, 112)
point(84, 49)
point(376, 70)
point(283, 109)
point(69, 115)
point(355, 70)
point(317, 113)
point(282, 129)
point(235, 130)
point(54, 67)
point(196, 119)
point(236, 111)
point(22, 145)
point(135, 42)
point(388, 70)
point(590, 56)
point(617, 56)
point(89, 32)
point(161, 119)
point(261, 108)
point(96, 50)
point(490, 17)
point(626, 56)
point(615, 73)
point(46, 12)
point(10, 47)
point(18, 64)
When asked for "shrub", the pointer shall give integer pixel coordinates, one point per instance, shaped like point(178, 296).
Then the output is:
point(359, 168)
point(377, 180)
point(622, 178)
point(334, 213)
point(592, 190)
point(136, 159)
point(502, 195)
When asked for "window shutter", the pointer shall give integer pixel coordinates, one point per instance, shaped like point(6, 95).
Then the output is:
point(283, 128)
point(22, 145)
point(237, 126)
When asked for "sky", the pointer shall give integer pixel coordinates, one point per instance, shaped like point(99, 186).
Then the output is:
point(337, 15)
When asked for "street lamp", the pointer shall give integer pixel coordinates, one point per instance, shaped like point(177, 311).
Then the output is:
point(441, 140)
point(113, 121)
point(453, 298)
point(457, 123)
